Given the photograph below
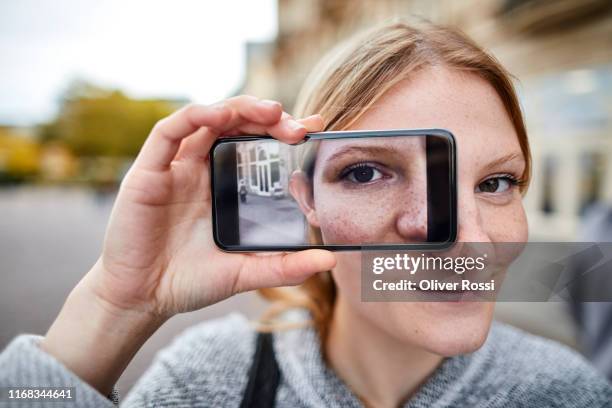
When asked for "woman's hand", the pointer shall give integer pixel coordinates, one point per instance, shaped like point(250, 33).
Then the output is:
point(159, 257)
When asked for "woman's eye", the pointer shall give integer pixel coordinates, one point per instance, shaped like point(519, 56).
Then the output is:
point(363, 174)
point(495, 185)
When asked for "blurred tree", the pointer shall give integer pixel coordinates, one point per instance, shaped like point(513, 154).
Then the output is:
point(19, 156)
point(94, 121)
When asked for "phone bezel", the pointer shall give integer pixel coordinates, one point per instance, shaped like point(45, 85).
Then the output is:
point(340, 247)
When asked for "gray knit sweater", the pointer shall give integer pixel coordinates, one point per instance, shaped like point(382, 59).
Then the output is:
point(207, 366)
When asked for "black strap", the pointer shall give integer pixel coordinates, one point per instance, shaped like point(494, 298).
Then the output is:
point(264, 375)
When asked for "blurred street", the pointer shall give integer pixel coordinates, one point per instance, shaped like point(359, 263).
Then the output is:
point(266, 220)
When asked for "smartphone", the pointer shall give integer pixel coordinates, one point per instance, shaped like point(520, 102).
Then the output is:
point(342, 190)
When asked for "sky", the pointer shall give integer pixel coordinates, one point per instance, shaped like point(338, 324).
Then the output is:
point(190, 49)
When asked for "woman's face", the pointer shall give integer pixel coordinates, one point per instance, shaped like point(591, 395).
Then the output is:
point(374, 202)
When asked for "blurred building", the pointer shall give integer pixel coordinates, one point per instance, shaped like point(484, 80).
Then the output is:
point(57, 163)
point(560, 51)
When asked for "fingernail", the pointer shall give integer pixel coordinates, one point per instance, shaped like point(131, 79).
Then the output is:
point(269, 103)
point(295, 125)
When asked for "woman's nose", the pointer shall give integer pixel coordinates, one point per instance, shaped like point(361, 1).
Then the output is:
point(412, 225)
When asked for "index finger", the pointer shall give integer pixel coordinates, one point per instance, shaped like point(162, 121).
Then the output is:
point(163, 143)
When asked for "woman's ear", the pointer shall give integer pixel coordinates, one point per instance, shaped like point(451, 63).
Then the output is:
point(300, 188)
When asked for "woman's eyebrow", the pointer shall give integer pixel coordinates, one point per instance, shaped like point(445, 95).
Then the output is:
point(503, 160)
point(364, 149)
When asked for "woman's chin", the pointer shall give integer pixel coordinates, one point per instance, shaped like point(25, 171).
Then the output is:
point(461, 341)
point(444, 328)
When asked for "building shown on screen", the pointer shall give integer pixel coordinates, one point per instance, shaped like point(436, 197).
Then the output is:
point(267, 212)
point(264, 168)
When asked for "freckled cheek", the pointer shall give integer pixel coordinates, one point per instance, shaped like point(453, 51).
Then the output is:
point(345, 220)
point(344, 227)
point(507, 223)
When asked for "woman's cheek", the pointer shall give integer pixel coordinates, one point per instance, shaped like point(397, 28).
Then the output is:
point(506, 223)
point(343, 227)
point(349, 220)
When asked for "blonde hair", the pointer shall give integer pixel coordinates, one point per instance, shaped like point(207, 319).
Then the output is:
point(350, 80)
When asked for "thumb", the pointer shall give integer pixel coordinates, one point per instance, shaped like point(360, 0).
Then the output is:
point(284, 269)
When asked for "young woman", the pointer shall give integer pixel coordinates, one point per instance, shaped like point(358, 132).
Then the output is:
point(159, 258)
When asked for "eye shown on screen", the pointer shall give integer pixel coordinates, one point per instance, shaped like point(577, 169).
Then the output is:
point(363, 173)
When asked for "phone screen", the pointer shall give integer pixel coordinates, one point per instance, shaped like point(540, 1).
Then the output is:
point(336, 190)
